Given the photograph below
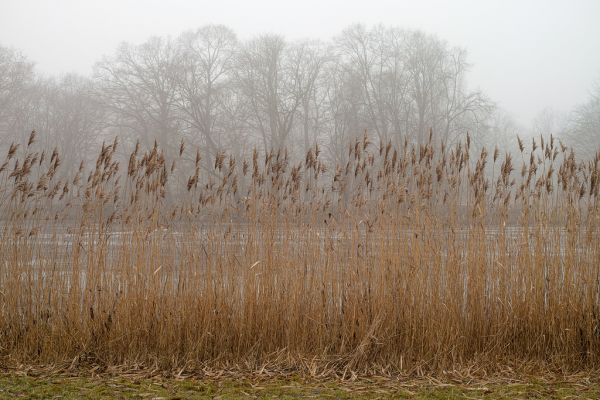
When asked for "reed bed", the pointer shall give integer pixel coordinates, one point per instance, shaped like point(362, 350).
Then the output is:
point(404, 258)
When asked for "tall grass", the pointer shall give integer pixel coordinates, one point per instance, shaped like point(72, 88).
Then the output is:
point(405, 258)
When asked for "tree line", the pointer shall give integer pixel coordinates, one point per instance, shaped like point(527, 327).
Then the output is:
point(218, 93)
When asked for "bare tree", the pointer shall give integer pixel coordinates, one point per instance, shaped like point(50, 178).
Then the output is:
point(309, 60)
point(459, 110)
point(205, 87)
point(583, 130)
point(139, 86)
point(276, 79)
point(411, 82)
point(16, 77)
point(377, 69)
point(343, 109)
point(68, 116)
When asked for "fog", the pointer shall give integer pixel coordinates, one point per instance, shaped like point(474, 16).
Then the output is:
point(515, 67)
point(527, 56)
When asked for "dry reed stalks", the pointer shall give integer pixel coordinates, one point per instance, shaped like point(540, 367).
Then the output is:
point(404, 258)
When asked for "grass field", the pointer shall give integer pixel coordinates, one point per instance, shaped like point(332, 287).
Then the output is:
point(103, 387)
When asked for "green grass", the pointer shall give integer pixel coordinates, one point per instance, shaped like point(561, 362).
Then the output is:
point(62, 387)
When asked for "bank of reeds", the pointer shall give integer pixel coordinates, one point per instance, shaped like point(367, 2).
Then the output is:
point(403, 258)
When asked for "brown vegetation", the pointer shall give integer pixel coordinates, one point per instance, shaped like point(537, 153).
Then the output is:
point(406, 258)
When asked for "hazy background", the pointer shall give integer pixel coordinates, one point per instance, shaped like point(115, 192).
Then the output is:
point(234, 76)
point(525, 55)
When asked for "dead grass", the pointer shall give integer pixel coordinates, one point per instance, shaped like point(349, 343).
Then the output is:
point(405, 259)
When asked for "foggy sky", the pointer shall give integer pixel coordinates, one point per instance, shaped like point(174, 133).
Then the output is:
point(525, 55)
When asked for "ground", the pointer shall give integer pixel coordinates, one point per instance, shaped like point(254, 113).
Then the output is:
point(18, 385)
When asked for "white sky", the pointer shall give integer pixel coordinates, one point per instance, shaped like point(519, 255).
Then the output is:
point(527, 55)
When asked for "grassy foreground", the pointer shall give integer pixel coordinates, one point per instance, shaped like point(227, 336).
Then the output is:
point(105, 387)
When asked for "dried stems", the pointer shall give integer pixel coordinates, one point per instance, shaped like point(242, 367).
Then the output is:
point(408, 258)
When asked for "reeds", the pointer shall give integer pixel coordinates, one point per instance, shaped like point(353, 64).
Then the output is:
point(404, 258)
